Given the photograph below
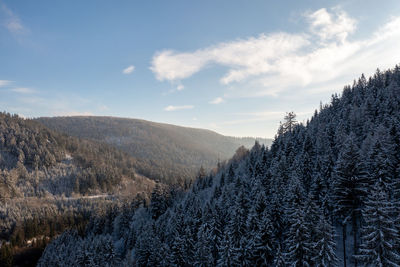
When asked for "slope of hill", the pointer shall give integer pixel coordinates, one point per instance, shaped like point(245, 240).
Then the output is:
point(36, 161)
point(163, 152)
point(50, 181)
point(325, 194)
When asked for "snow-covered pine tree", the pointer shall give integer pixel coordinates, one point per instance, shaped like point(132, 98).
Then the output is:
point(382, 163)
point(379, 234)
point(298, 251)
point(261, 245)
point(324, 246)
point(350, 188)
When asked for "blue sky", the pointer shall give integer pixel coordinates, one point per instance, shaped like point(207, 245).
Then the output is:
point(234, 67)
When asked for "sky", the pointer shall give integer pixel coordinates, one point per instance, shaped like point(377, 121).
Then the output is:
point(235, 67)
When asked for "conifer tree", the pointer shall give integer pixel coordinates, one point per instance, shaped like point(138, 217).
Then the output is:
point(379, 234)
point(324, 245)
point(298, 249)
point(350, 188)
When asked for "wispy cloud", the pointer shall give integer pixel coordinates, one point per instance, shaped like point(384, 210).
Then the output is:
point(174, 108)
point(217, 100)
point(4, 83)
point(128, 70)
point(23, 90)
point(275, 62)
point(247, 57)
point(180, 87)
point(11, 21)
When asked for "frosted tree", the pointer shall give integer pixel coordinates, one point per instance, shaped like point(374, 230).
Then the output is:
point(261, 243)
point(350, 188)
point(379, 234)
point(298, 250)
point(324, 245)
point(158, 202)
point(382, 163)
point(289, 123)
point(298, 242)
point(226, 253)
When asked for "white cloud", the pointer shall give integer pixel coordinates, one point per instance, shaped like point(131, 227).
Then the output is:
point(171, 66)
point(23, 90)
point(331, 26)
point(217, 100)
point(174, 108)
point(4, 83)
point(12, 22)
point(245, 57)
point(272, 63)
point(128, 70)
point(180, 87)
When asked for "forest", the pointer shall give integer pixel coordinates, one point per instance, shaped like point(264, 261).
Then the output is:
point(50, 182)
point(163, 152)
point(324, 194)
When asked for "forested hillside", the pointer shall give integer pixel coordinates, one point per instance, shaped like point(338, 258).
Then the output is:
point(36, 161)
point(164, 152)
point(50, 182)
point(325, 194)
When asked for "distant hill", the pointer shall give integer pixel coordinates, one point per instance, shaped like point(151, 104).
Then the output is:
point(36, 161)
point(50, 182)
point(163, 152)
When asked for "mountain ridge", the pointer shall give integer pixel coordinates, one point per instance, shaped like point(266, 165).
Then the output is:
point(172, 153)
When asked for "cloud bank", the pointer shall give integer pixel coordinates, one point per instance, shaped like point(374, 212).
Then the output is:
point(322, 54)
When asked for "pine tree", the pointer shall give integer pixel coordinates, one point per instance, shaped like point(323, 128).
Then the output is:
point(324, 245)
point(261, 243)
point(158, 202)
point(379, 235)
point(290, 122)
point(298, 249)
point(226, 253)
point(382, 160)
point(350, 188)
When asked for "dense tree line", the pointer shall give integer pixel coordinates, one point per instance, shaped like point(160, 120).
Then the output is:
point(325, 194)
point(163, 152)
